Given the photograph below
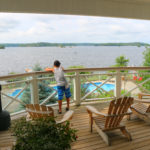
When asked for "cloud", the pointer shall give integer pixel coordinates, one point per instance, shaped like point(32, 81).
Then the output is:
point(66, 28)
point(7, 24)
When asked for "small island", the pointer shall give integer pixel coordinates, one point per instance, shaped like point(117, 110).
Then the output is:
point(2, 47)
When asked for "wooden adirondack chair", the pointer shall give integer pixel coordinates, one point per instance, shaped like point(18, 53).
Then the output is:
point(111, 121)
point(142, 95)
point(38, 111)
point(142, 107)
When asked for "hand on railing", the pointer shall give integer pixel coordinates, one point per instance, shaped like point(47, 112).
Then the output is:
point(28, 70)
point(49, 69)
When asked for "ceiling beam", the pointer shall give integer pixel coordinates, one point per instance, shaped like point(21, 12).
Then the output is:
point(107, 8)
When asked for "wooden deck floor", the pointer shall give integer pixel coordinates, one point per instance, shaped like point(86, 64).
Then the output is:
point(139, 130)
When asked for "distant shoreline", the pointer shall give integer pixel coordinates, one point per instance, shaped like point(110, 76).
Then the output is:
point(63, 45)
point(2, 47)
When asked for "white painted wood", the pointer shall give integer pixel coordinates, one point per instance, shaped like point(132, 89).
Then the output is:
point(67, 116)
point(48, 98)
point(77, 88)
point(72, 70)
point(17, 113)
point(77, 84)
point(136, 87)
point(96, 88)
point(140, 86)
point(34, 90)
point(103, 135)
point(16, 82)
point(7, 105)
point(117, 91)
point(12, 98)
point(98, 99)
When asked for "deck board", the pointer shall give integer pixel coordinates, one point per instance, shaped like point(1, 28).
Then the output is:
point(139, 130)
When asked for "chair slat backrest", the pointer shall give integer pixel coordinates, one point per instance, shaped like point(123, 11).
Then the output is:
point(38, 111)
point(148, 109)
point(117, 110)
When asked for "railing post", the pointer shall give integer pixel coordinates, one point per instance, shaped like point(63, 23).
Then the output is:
point(34, 91)
point(118, 84)
point(77, 88)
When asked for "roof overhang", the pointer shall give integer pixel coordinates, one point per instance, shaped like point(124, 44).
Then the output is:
point(137, 9)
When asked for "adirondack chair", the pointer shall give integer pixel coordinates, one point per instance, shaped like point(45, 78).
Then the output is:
point(106, 122)
point(39, 111)
point(142, 95)
point(142, 107)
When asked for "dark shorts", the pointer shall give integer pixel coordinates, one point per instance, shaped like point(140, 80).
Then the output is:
point(61, 90)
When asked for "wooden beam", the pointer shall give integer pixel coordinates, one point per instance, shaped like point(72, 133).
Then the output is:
point(107, 8)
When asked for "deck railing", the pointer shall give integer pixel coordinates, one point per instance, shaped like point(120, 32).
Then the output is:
point(81, 80)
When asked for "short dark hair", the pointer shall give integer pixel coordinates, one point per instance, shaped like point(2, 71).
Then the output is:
point(57, 63)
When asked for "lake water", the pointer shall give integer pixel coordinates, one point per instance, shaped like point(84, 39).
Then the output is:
point(17, 59)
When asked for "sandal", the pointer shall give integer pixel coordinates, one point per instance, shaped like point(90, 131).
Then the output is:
point(67, 108)
point(59, 112)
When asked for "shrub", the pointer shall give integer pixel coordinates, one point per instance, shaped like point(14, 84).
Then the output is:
point(121, 61)
point(44, 90)
point(77, 67)
point(146, 62)
point(42, 134)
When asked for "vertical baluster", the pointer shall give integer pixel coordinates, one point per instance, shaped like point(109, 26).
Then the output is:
point(77, 88)
point(118, 85)
point(34, 90)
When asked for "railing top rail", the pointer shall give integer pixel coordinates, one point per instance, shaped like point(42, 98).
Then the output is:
point(72, 70)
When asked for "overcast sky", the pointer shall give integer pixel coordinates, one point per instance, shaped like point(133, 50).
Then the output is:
point(26, 28)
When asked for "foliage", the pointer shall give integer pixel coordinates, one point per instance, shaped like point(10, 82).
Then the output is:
point(121, 61)
point(42, 134)
point(2, 47)
point(84, 89)
point(14, 79)
point(44, 90)
point(146, 63)
point(77, 67)
point(146, 54)
point(37, 67)
point(46, 44)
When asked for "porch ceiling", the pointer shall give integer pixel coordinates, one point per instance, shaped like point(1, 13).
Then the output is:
point(138, 9)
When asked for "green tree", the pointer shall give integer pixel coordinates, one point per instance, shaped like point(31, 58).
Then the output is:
point(121, 61)
point(146, 54)
point(37, 67)
point(44, 90)
point(77, 67)
point(146, 63)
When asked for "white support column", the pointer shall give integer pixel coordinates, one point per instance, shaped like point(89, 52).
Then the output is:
point(77, 88)
point(118, 85)
point(34, 91)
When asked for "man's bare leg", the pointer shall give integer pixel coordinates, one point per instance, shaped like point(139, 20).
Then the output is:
point(60, 105)
point(68, 103)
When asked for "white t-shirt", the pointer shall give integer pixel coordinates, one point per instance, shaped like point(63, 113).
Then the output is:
point(60, 78)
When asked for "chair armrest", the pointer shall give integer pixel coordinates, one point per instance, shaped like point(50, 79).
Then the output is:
point(129, 112)
point(92, 109)
point(68, 116)
point(142, 101)
point(144, 94)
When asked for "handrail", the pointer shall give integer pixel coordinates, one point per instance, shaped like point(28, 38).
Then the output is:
point(72, 70)
point(32, 79)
